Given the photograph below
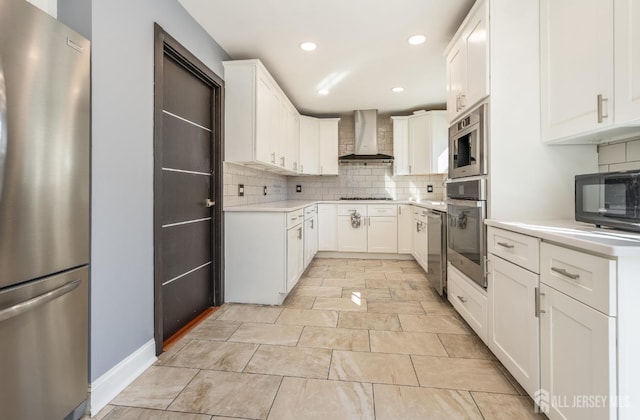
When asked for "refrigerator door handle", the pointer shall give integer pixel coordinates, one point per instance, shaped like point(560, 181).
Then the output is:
point(28, 305)
point(3, 126)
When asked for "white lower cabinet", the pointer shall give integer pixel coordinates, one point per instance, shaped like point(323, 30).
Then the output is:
point(327, 227)
point(295, 255)
point(420, 238)
point(513, 321)
point(578, 359)
point(310, 234)
point(468, 300)
point(405, 229)
point(352, 235)
point(382, 234)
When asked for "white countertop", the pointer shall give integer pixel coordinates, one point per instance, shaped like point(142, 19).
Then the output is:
point(292, 205)
point(615, 243)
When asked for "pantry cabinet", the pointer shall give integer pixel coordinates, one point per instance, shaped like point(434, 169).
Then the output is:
point(589, 70)
point(421, 143)
point(468, 63)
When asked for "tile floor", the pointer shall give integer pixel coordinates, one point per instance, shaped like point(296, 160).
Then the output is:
point(356, 339)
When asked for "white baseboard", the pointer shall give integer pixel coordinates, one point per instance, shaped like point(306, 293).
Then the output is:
point(363, 255)
point(106, 387)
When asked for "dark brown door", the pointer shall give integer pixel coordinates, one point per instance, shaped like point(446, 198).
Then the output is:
point(187, 188)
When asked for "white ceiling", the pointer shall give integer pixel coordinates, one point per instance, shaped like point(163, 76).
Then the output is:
point(362, 48)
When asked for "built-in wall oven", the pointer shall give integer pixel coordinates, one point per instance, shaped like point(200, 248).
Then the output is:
point(466, 234)
point(468, 144)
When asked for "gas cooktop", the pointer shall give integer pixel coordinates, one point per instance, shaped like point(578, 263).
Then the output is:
point(366, 198)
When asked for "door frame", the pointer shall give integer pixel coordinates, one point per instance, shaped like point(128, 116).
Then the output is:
point(165, 44)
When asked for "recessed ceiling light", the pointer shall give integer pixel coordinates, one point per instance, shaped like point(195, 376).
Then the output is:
point(397, 89)
point(323, 92)
point(417, 39)
point(308, 46)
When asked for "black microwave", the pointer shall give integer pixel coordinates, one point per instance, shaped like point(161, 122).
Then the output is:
point(609, 199)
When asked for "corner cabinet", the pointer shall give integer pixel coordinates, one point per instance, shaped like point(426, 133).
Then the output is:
point(468, 62)
point(318, 146)
point(421, 143)
point(260, 122)
point(590, 70)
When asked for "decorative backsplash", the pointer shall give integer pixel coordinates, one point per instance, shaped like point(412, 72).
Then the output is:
point(254, 181)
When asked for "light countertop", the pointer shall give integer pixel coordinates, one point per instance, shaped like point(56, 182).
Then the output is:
point(615, 243)
point(292, 205)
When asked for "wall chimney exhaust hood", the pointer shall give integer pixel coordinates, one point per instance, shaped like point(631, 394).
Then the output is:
point(366, 130)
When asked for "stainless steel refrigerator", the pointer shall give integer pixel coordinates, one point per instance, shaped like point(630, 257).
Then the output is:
point(44, 215)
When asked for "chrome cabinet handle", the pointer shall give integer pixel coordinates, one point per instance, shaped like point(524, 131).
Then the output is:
point(273, 158)
point(565, 273)
point(601, 108)
point(537, 295)
point(209, 203)
point(505, 245)
point(301, 168)
point(299, 233)
point(461, 299)
point(3, 126)
point(23, 307)
point(282, 161)
point(311, 223)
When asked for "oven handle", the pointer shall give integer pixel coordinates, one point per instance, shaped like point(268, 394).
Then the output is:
point(466, 203)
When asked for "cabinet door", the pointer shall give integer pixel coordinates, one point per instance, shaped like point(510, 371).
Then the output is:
point(627, 60)
point(327, 227)
point(405, 225)
point(382, 235)
point(278, 139)
point(308, 246)
point(438, 142)
point(309, 145)
point(264, 119)
point(456, 79)
point(577, 359)
point(295, 255)
point(418, 144)
point(513, 324)
point(292, 134)
point(576, 47)
point(400, 145)
point(351, 239)
point(328, 141)
point(477, 69)
point(314, 236)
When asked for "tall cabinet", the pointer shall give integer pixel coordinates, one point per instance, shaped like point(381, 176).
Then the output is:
point(420, 143)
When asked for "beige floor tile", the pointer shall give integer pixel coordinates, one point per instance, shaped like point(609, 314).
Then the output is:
point(341, 304)
point(290, 361)
point(318, 291)
point(344, 283)
point(365, 276)
point(379, 283)
point(156, 387)
point(465, 346)
point(284, 335)
point(318, 262)
point(395, 307)
point(432, 324)
point(410, 403)
point(463, 374)
point(213, 330)
point(250, 313)
point(510, 378)
point(377, 294)
point(133, 413)
point(401, 275)
point(349, 268)
point(413, 270)
point(410, 263)
point(406, 343)
point(369, 321)
point(313, 399)
point(310, 317)
point(335, 338)
point(175, 348)
point(395, 369)
point(409, 284)
point(214, 355)
point(228, 394)
point(102, 414)
point(310, 281)
point(325, 274)
point(438, 307)
point(408, 294)
point(365, 263)
point(384, 269)
point(506, 407)
point(299, 302)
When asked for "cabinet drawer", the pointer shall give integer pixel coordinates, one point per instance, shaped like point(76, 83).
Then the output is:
point(309, 211)
point(519, 249)
point(587, 278)
point(348, 209)
point(382, 210)
point(470, 303)
point(294, 218)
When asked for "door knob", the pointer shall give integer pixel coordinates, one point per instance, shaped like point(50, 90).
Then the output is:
point(210, 203)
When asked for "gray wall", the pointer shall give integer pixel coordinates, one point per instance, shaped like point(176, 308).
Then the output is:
point(122, 35)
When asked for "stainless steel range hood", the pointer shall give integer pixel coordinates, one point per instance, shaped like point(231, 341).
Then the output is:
point(366, 129)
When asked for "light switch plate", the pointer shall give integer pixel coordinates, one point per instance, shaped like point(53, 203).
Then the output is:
point(429, 188)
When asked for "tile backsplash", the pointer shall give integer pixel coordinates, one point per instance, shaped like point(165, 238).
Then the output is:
point(254, 181)
point(619, 156)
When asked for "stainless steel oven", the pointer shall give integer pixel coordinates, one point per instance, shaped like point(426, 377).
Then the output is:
point(468, 144)
point(466, 233)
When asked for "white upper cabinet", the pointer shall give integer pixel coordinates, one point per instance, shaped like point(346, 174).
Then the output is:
point(428, 143)
point(328, 140)
point(309, 145)
point(582, 60)
point(468, 63)
point(400, 145)
point(260, 122)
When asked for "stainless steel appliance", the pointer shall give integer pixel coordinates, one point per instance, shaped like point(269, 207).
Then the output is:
point(44, 215)
point(466, 233)
point(609, 199)
point(437, 250)
point(468, 144)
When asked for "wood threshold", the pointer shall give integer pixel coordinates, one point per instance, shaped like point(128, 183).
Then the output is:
point(187, 328)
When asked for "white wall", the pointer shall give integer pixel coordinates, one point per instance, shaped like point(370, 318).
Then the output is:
point(529, 180)
point(122, 33)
